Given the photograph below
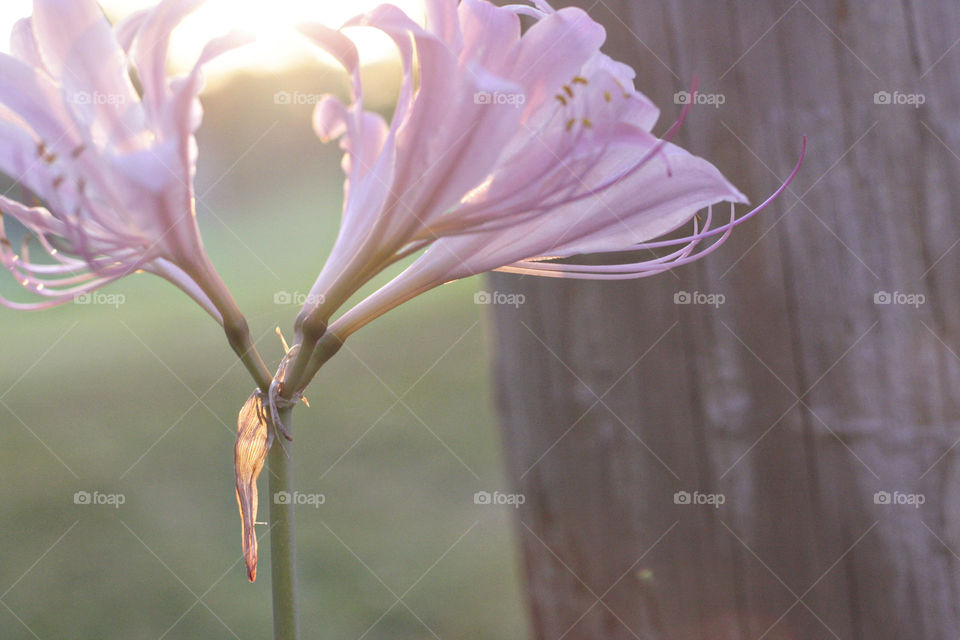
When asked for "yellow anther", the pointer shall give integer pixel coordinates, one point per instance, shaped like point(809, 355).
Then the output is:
point(568, 90)
point(570, 123)
point(562, 98)
point(587, 123)
point(45, 155)
point(606, 96)
point(579, 80)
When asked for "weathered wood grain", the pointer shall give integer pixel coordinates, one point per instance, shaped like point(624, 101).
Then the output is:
point(799, 397)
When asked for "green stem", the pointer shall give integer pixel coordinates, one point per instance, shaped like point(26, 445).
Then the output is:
point(324, 349)
point(283, 547)
point(238, 335)
point(283, 568)
point(234, 323)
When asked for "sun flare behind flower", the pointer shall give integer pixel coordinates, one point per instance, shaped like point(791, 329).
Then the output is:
point(273, 23)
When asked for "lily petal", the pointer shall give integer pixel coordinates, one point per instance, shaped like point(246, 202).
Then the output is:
point(149, 51)
point(23, 44)
point(79, 49)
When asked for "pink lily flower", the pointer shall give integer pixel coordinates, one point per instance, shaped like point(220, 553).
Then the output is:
point(108, 173)
point(507, 150)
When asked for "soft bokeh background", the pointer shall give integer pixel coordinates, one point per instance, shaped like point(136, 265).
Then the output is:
point(141, 400)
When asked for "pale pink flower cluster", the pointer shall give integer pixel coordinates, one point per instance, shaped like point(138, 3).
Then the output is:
point(107, 172)
point(521, 150)
point(507, 149)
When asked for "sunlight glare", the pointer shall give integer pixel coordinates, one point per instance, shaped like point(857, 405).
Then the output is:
point(273, 22)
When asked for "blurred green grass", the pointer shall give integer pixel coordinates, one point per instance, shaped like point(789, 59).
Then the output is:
point(96, 398)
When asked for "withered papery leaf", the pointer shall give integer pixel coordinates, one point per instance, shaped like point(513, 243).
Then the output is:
point(249, 454)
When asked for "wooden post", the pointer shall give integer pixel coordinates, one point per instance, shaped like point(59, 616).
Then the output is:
point(802, 395)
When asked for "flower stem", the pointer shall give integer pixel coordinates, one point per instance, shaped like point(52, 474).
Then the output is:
point(283, 568)
point(234, 323)
point(324, 349)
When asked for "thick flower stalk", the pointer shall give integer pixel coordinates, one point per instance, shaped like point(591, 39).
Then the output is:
point(508, 150)
point(107, 173)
